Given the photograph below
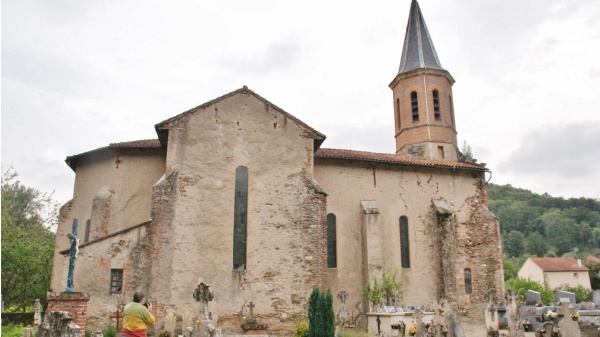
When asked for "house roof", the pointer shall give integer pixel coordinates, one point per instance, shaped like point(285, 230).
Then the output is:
point(555, 264)
point(394, 159)
point(144, 144)
point(162, 128)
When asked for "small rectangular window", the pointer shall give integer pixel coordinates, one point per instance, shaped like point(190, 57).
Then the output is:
point(116, 281)
point(441, 152)
point(575, 275)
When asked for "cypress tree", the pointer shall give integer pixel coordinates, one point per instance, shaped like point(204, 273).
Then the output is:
point(329, 322)
point(312, 312)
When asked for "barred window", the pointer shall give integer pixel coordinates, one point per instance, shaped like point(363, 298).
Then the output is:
point(468, 281)
point(116, 281)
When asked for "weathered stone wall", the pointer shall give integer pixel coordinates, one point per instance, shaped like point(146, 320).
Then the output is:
point(113, 196)
point(193, 239)
point(409, 191)
point(93, 269)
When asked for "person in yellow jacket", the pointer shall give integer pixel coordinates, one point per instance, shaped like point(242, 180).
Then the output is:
point(136, 317)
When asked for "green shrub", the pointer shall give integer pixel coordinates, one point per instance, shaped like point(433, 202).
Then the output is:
point(521, 286)
point(109, 331)
point(581, 294)
point(13, 330)
point(301, 329)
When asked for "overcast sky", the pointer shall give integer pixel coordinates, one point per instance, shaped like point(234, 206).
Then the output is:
point(78, 75)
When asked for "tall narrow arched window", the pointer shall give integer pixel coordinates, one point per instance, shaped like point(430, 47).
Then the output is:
point(451, 109)
point(331, 241)
point(414, 102)
point(436, 105)
point(468, 281)
point(86, 236)
point(240, 218)
point(404, 243)
point(398, 121)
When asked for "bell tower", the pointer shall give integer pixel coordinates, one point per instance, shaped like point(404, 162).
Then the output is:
point(422, 90)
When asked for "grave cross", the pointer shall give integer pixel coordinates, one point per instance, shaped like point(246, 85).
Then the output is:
point(72, 256)
point(118, 316)
point(251, 319)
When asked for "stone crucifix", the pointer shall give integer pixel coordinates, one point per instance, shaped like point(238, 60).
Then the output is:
point(251, 319)
point(203, 294)
point(72, 256)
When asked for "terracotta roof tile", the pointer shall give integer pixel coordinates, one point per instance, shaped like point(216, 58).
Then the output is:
point(393, 159)
point(135, 144)
point(558, 264)
point(138, 143)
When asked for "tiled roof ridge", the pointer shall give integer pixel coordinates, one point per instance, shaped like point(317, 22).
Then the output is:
point(153, 142)
point(558, 264)
point(393, 158)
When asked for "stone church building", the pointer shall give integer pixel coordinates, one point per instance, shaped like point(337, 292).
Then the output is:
point(241, 194)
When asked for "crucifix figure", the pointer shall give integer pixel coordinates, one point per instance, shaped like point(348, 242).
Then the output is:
point(72, 256)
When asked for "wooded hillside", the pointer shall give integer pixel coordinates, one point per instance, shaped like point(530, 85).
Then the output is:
point(542, 225)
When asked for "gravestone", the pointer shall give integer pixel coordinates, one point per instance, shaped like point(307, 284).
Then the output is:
point(206, 325)
point(438, 327)
point(58, 323)
point(562, 296)
point(568, 327)
point(170, 320)
point(533, 297)
point(343, 316)
point(27, 332)
point(37, 316)
point(515, 325)
point(251, 325)
point(492, 324)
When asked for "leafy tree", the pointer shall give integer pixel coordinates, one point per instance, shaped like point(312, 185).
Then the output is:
point(511, 265)
point(510, 269)
point(513, 243)
point(28, 216)
point(560, 231)
point(535, 244)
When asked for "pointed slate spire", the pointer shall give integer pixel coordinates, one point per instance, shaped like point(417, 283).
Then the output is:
point(418, 51)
